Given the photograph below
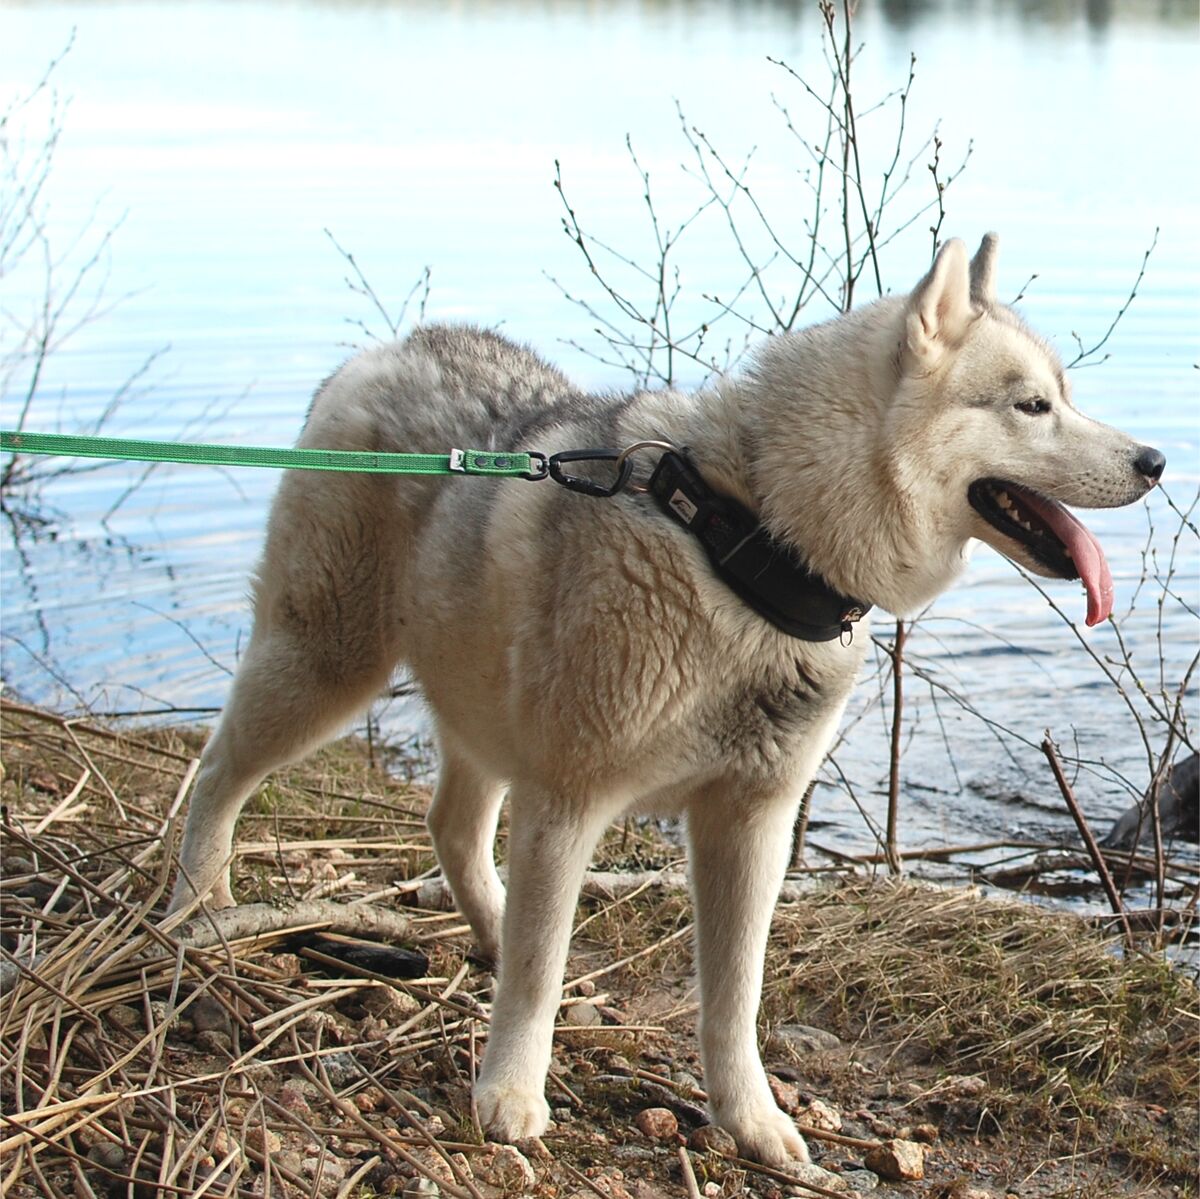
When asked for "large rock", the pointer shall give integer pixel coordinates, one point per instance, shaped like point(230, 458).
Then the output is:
point(1178, 810)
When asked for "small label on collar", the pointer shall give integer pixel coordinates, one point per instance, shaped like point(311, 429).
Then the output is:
point(680, 504)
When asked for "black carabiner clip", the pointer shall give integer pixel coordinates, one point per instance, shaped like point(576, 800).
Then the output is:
point(589, 486)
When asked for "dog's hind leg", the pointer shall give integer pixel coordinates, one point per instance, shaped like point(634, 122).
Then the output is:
point(282, 706)
point(462, 822)
point(549, 844)
point(738, 852)
point(327, 634)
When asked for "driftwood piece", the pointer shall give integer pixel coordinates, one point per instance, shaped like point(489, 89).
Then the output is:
point(608, 886)
point(261, 920)
point(258, 922)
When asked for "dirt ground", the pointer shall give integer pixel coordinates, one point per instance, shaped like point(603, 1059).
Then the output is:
point(1010, 1052)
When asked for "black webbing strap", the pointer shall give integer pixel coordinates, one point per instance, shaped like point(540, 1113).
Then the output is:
point(763, 572)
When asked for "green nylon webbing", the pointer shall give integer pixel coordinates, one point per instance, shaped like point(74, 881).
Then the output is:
point(470, 462)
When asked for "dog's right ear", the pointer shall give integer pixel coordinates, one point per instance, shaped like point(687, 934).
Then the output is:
point(983, 270)
point(939, 309)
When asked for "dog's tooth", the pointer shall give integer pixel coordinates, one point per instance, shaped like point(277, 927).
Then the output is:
point(1002, 497)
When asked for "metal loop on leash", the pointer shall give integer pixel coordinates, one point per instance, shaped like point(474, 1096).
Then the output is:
point(623, 458)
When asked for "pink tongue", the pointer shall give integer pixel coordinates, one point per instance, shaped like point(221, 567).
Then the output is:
point(1085, 550)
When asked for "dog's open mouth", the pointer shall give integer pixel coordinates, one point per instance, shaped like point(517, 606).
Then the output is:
point(1050, 535)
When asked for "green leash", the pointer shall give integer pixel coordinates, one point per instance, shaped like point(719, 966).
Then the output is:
point(465, 462)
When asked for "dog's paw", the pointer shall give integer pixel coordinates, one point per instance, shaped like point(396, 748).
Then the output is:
point(766, 1136)
point(509, 1114)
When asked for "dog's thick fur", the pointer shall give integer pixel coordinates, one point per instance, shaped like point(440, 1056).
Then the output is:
point(579, 655)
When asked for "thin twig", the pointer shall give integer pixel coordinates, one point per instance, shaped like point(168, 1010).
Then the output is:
point(1089, 840)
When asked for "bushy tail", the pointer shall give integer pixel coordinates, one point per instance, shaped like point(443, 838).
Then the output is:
point(443, 386)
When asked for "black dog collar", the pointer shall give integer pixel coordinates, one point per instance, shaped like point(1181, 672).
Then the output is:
point(764, 573)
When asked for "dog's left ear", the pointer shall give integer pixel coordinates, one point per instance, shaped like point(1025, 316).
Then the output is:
point(983, 270)
point(939, 309)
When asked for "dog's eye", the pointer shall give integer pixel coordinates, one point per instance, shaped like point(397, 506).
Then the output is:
point(1033, 407)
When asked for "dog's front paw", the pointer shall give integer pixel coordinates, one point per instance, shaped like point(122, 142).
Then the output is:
point(767, 1135)
point(510, 1114)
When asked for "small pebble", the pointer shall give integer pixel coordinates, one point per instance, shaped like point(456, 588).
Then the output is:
point(806, 1172)
point(221, 1144)
point(688, 1083)
point(818, 1114)
point(787, 1094)
point(263, 1140)
point(965, 1084)
point(124, 1016)
point(511, 1168)
point(582, 1015)
point(657, 1123)
point(463, 1164)
point(803, 1038)
point(342, 1070)
point(861, 1180)
point(421, 1186)
point(708, 1138)
point(292, 1098)
point(897, 1161)
point(212, 1041)
point(331, 1170)
point(108, 1155)
point(209, 1016)
point(535, 1148)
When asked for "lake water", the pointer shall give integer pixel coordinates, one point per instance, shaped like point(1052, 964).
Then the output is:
point(225, 138)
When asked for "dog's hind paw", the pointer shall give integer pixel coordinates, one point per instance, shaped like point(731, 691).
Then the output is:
point(509, 1114)
point(769, 1137)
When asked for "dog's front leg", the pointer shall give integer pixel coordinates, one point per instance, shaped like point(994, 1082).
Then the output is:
point(549, 844)
point(738, 855)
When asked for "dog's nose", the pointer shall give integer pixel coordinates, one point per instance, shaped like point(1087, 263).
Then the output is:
point(1149, 462)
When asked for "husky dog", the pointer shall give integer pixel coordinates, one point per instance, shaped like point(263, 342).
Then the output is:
point(585, 657)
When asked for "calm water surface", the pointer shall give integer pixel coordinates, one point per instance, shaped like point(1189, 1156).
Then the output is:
point(226, 137)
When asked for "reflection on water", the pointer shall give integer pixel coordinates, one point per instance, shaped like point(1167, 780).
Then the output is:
point(901, 14)
point(421, 133)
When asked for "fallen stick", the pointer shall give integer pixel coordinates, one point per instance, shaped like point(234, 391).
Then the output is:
point(259, 920)
point(689, 1175)
point(433, 894)
point(82, 1111)
point(836, 1138)
point(948, 851)
point(784, 1176)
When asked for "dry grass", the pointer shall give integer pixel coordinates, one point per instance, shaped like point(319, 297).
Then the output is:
point(134, 1064)
point(128, 1056)
point(1068, 1030)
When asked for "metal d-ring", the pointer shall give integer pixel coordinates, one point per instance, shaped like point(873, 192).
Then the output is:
point(669, 446)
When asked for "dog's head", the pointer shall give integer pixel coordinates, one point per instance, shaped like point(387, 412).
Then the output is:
point(978, 388)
